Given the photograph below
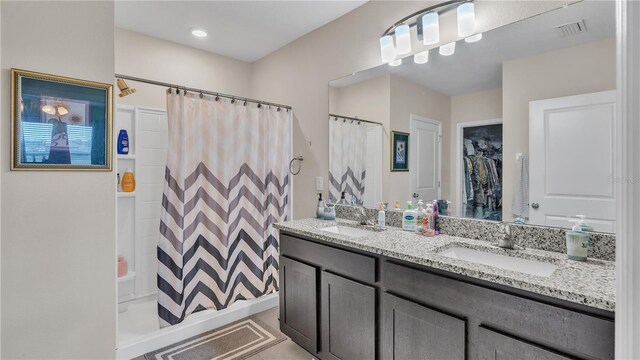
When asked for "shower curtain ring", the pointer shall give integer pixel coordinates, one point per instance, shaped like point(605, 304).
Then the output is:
point(259, 105)
point(245, 102)
point(217, 97)
point(201, 94)
point(233, 100)
point(278, 108)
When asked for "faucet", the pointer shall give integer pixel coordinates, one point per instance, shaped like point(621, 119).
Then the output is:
point(363, 219)
point(506, 240)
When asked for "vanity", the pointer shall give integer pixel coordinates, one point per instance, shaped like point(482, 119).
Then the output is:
point(392, 294)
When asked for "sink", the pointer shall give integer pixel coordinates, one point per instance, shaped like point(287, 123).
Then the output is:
point(347, 231)
point(531, 267)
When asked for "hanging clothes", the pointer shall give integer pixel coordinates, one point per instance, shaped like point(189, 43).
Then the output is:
point(347, 159)
point(482, 190)
point(226, 183)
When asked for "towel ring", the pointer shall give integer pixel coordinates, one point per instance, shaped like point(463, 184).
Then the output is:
point(298, 158)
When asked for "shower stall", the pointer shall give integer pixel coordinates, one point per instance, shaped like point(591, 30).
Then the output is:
point(139, 215)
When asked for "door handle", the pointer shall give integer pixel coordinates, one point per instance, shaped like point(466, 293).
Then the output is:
point(416, 195)
point(535, 205)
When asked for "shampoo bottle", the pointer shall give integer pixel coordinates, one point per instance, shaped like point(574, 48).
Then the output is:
point(123, 142)
point(409, 218)
point(577, 241)
point(419, 216)
point(128, 181)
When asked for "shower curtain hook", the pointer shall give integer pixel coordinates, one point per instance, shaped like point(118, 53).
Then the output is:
point(245, 102)
point(201, 95)
point(278, 108)
point(217, 97)
point(233, 100)
point(259, 105)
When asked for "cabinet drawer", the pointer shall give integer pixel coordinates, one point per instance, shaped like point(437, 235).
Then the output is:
point(496, 346)
point(411, 331)
point(554, 327)
point(352, 265)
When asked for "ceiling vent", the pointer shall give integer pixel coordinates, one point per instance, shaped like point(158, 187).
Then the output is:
point(570, 29)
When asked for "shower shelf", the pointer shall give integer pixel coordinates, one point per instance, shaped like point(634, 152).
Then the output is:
point(130, 275)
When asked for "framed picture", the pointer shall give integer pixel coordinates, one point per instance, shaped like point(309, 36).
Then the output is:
point(399, 151)
point(60, 123)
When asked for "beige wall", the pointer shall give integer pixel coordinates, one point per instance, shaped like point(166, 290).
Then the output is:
point(152, 58)
point(298, 74)
point(369, 100)
point(482, 105)
point(577, 70)
point(58, 250)
point(410, 98)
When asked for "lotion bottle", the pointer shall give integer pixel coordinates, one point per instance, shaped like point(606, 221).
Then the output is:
point(409, 218)
point(381, 217)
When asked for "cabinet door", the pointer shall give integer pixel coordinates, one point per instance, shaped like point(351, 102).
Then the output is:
point(298, 299)
point(348, 319)
point(411, 331)
point(496, 346)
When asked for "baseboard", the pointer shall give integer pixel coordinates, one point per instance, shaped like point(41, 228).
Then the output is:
point(195, 325)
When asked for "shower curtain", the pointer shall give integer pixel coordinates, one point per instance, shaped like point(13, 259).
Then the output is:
point(226, 183)
point(347, 159)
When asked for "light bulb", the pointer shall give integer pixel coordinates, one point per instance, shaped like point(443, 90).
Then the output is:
point(387, 49)
point(403, 39)
point(396, 62)
point(430, 29)
point(448, 49)
point(473, 38)
point(466, 19)
point(421, 57)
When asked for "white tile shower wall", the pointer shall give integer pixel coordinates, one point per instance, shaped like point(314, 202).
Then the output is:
point(152, 136)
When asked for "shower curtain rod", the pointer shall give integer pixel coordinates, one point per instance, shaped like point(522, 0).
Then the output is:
point(200, 91)
point(353, 118)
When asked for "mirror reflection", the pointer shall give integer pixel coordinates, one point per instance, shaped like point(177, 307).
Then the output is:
point(517, 126)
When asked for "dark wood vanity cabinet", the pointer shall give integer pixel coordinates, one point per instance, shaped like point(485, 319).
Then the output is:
point(340, 303)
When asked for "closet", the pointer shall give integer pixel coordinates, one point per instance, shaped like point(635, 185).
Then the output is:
point(482, 172)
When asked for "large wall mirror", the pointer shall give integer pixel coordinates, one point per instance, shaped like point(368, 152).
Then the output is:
point(518, 124)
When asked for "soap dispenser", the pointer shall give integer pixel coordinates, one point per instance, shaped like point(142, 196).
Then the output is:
point(578, 240)
point(320, 207)
point(409, 218)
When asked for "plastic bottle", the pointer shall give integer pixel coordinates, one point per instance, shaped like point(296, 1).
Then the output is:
point(128, 181)
point(434, 221)
point(577, 240)
point(123, 142)
point(320, 207)
point(419, 216)
point(427, 229)
point(397, 207)
point(381, 217)
point(409, 218)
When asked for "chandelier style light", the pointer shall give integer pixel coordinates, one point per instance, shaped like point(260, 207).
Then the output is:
point(396, 40)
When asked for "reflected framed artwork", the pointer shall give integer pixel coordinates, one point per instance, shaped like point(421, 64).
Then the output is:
point(399, 151)
point(60, 123)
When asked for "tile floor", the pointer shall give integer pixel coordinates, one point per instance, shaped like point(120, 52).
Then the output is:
point(286, 350)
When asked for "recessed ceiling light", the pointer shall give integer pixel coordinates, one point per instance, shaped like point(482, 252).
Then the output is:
point(199, 33)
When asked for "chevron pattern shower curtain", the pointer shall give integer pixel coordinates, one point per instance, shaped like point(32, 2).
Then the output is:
point(347, 159)
point(226, 183)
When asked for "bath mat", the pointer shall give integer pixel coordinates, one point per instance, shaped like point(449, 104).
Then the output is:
point(235, 341)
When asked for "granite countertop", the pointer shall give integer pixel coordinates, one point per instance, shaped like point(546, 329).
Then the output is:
point(590, 283)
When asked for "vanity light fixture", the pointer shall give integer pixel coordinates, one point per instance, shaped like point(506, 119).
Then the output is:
point(396, 62)
point(473, 38)
point(447, 49)
point(387, 48)
point(421, 57)
point(427, 24)
point(198, 33)
point(403, 39)
point(466, 19)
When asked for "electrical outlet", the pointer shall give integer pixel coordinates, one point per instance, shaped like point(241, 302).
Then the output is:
point(319, 183)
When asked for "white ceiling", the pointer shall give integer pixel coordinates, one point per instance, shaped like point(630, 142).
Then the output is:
point(478, 66)
point(243, 30)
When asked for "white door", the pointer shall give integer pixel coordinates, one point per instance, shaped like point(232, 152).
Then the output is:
point(572, 160)
point(373, 178)
point(424, 152)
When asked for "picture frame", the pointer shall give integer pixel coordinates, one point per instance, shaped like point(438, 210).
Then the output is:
point(399, 151)
point(60, 123)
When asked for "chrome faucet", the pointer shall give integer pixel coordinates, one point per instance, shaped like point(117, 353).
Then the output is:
point(363, 218)
point(506, 240)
